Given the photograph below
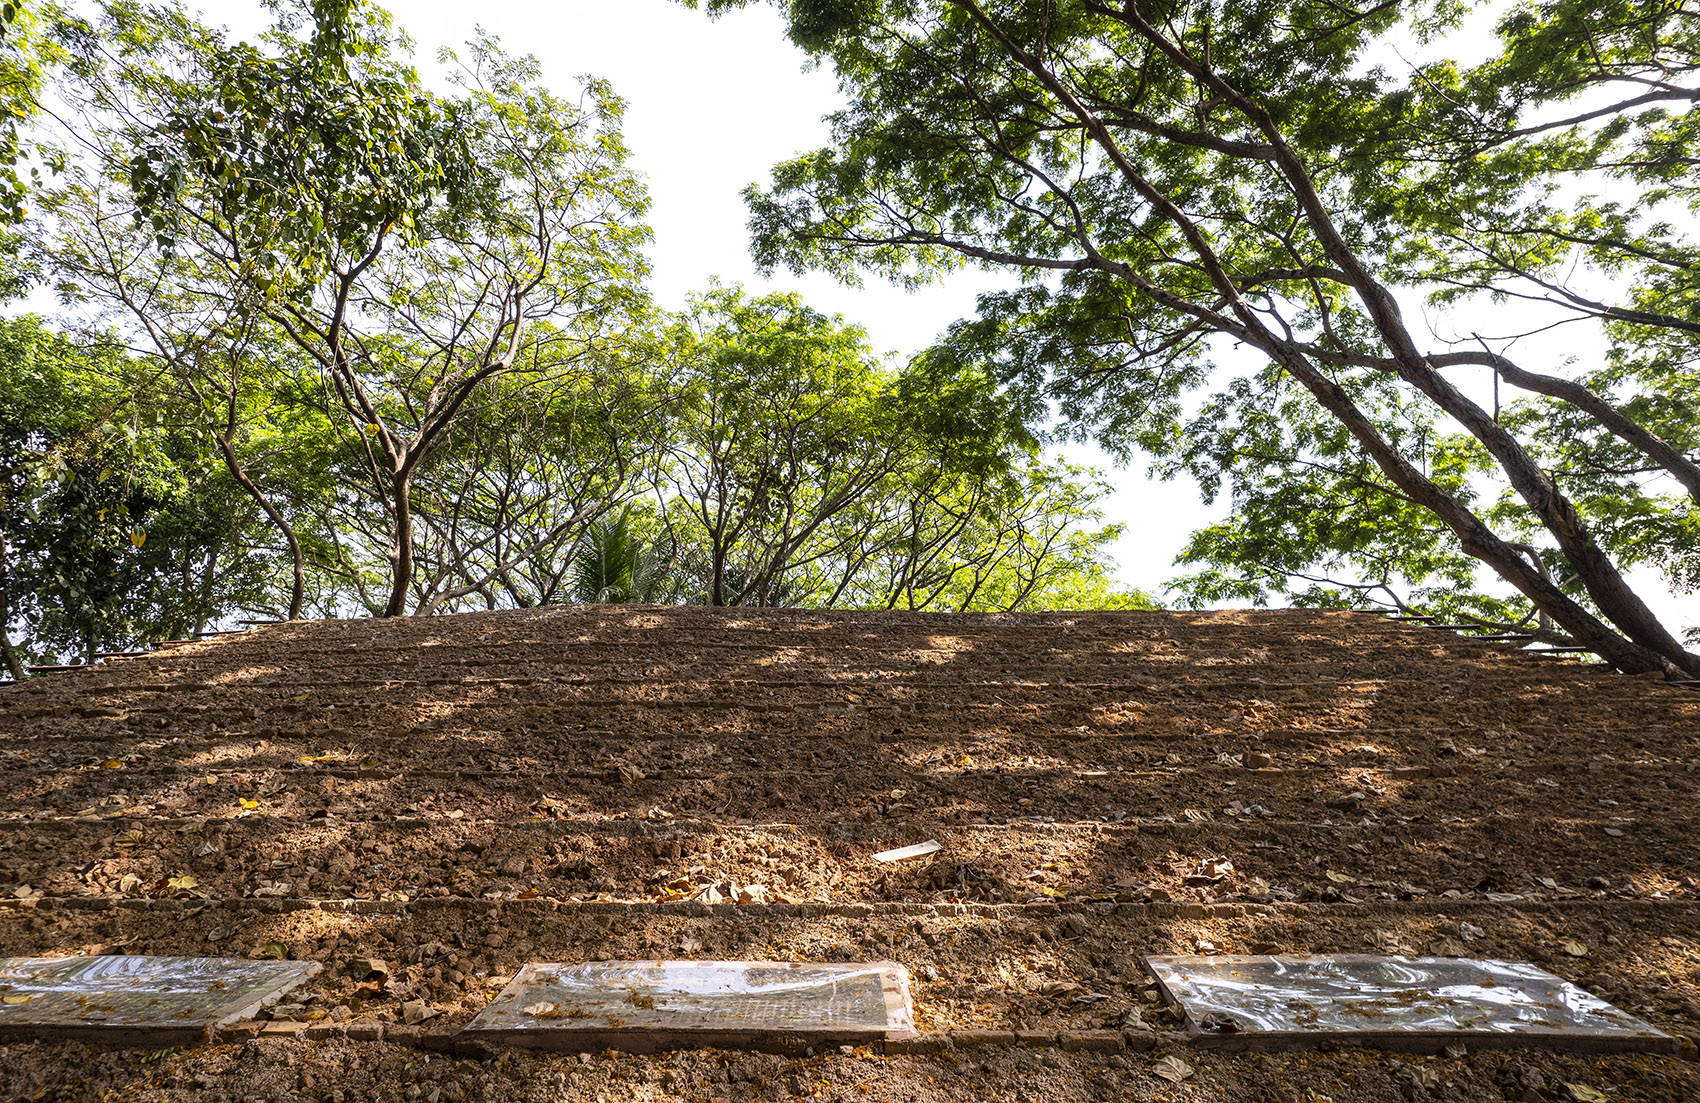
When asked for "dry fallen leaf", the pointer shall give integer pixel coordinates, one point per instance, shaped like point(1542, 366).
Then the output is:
point(414, 1012)
point(1582, 1093)
point(1574, 948)
point(1210, 870)
point(16, 999)
point(1172, 1069)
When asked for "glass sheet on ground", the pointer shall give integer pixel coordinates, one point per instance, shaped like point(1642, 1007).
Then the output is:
point(136, 996)
point(1413, 1003)
point(655, 1003)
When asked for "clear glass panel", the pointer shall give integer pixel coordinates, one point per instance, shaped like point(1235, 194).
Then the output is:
point(1367, 996)
point(133, 991)
point(712, 997)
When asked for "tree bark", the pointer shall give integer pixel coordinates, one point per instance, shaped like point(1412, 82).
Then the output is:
point(1477, 539)
point(1616, 421)
point(14, 665)
point(298, 583)
point(401, 555)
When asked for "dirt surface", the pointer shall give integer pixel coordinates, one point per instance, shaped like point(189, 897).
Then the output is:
point(460, 795)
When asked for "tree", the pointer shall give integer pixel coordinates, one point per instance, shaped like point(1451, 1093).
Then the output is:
point(784, 421)
point(805, 472)
point(1168, 174)
point(116, 527)
point(617, 564)
point(428, 255)
point(515, 491)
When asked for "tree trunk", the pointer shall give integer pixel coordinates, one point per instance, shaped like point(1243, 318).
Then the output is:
point(14, 665)
point(297, 562)
point(1621, 605)
point(401, 555)
point(1477, 539)
point(716, 571)
point(205, 602)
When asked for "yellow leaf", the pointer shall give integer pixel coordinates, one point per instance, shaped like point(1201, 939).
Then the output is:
point(181, 884)
point(138, 538)
point(112, 764)
point(1341, 878)
point(246, 803)
point(16, 999)
point(1574, 949)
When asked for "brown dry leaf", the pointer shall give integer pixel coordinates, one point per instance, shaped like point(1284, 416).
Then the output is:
point(1210, 870)
point(1574, 948)
point(1582, 1093)
point(275, 950)
point(630, 774)
point(414, 1012)
point(1341, 878)
point(1172, 1069)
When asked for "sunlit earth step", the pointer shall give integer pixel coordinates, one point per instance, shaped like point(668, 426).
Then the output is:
point(668, 857)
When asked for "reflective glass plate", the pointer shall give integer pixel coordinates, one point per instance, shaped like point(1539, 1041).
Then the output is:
point(647, 1005)
point(1414, 1003)
point(138, 997)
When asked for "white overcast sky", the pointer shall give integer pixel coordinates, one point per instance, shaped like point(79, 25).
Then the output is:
point(711, 106)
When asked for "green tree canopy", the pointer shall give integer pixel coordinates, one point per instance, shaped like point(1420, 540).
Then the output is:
point(1171, 175)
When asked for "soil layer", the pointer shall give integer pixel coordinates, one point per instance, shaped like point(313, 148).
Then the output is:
point(423, 806)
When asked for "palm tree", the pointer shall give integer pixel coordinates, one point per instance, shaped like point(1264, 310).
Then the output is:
point(614, 566)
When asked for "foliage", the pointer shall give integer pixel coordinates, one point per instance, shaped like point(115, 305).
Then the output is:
point(339, 343)
point(426, 255)
point(117, 530)
point(1170, 179)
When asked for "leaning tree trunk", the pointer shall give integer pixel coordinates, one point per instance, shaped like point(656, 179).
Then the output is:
point(298, 583)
